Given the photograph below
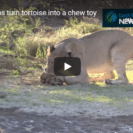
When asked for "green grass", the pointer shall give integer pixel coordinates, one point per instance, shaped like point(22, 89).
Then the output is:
point(5, 50)
point(116, 95)
point(75, 94)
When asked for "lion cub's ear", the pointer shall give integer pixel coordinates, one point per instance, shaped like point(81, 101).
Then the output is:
point(50, 49)
point(75, 47)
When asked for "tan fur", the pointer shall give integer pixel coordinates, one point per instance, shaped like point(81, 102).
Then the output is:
point(100, 52)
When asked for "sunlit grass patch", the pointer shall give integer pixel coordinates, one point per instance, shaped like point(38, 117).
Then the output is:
point(102, 84)
point(96, 98)
point(13, 91)
point(15, 72)
point(96, 75)
point(56, 101)
point(130, 76)
point(5, 50)
point(131, 100)
point(60, 92)
point(74, 98)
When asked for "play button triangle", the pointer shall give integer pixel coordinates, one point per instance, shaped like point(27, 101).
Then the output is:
point(66, 66)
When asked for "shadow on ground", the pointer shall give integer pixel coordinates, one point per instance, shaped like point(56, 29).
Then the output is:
point(13, 121)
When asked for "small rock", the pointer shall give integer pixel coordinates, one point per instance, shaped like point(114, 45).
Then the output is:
point(2, 94)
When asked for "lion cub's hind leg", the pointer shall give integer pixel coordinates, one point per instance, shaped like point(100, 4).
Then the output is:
point(122, 78)
point(109, 75)
point(119, 57)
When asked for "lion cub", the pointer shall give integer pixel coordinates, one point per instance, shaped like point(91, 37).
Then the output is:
point(100, 52)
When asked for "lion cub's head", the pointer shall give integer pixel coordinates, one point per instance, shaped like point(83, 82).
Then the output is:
point(68, 48)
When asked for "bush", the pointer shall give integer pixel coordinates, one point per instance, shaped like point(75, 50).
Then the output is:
point(89, 28)
point(12, 28)
point(18, 32)
point(36, 49)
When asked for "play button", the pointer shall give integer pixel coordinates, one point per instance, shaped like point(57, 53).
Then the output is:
point(66, 66)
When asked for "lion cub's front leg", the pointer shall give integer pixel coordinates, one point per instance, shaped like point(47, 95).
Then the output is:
point(83, 78)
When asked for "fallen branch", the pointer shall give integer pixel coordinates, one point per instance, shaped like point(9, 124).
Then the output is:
point(3, 60)
point(7, 72)
point(15, 56)
point(40, 66)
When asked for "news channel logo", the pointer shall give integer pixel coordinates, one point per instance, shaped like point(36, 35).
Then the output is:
point(117, 17)
point(110, 17)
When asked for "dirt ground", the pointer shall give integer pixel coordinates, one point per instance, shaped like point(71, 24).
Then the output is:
point(13, 121)
point(16, 120)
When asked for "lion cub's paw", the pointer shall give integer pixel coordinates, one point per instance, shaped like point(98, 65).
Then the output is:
point(110, 82)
